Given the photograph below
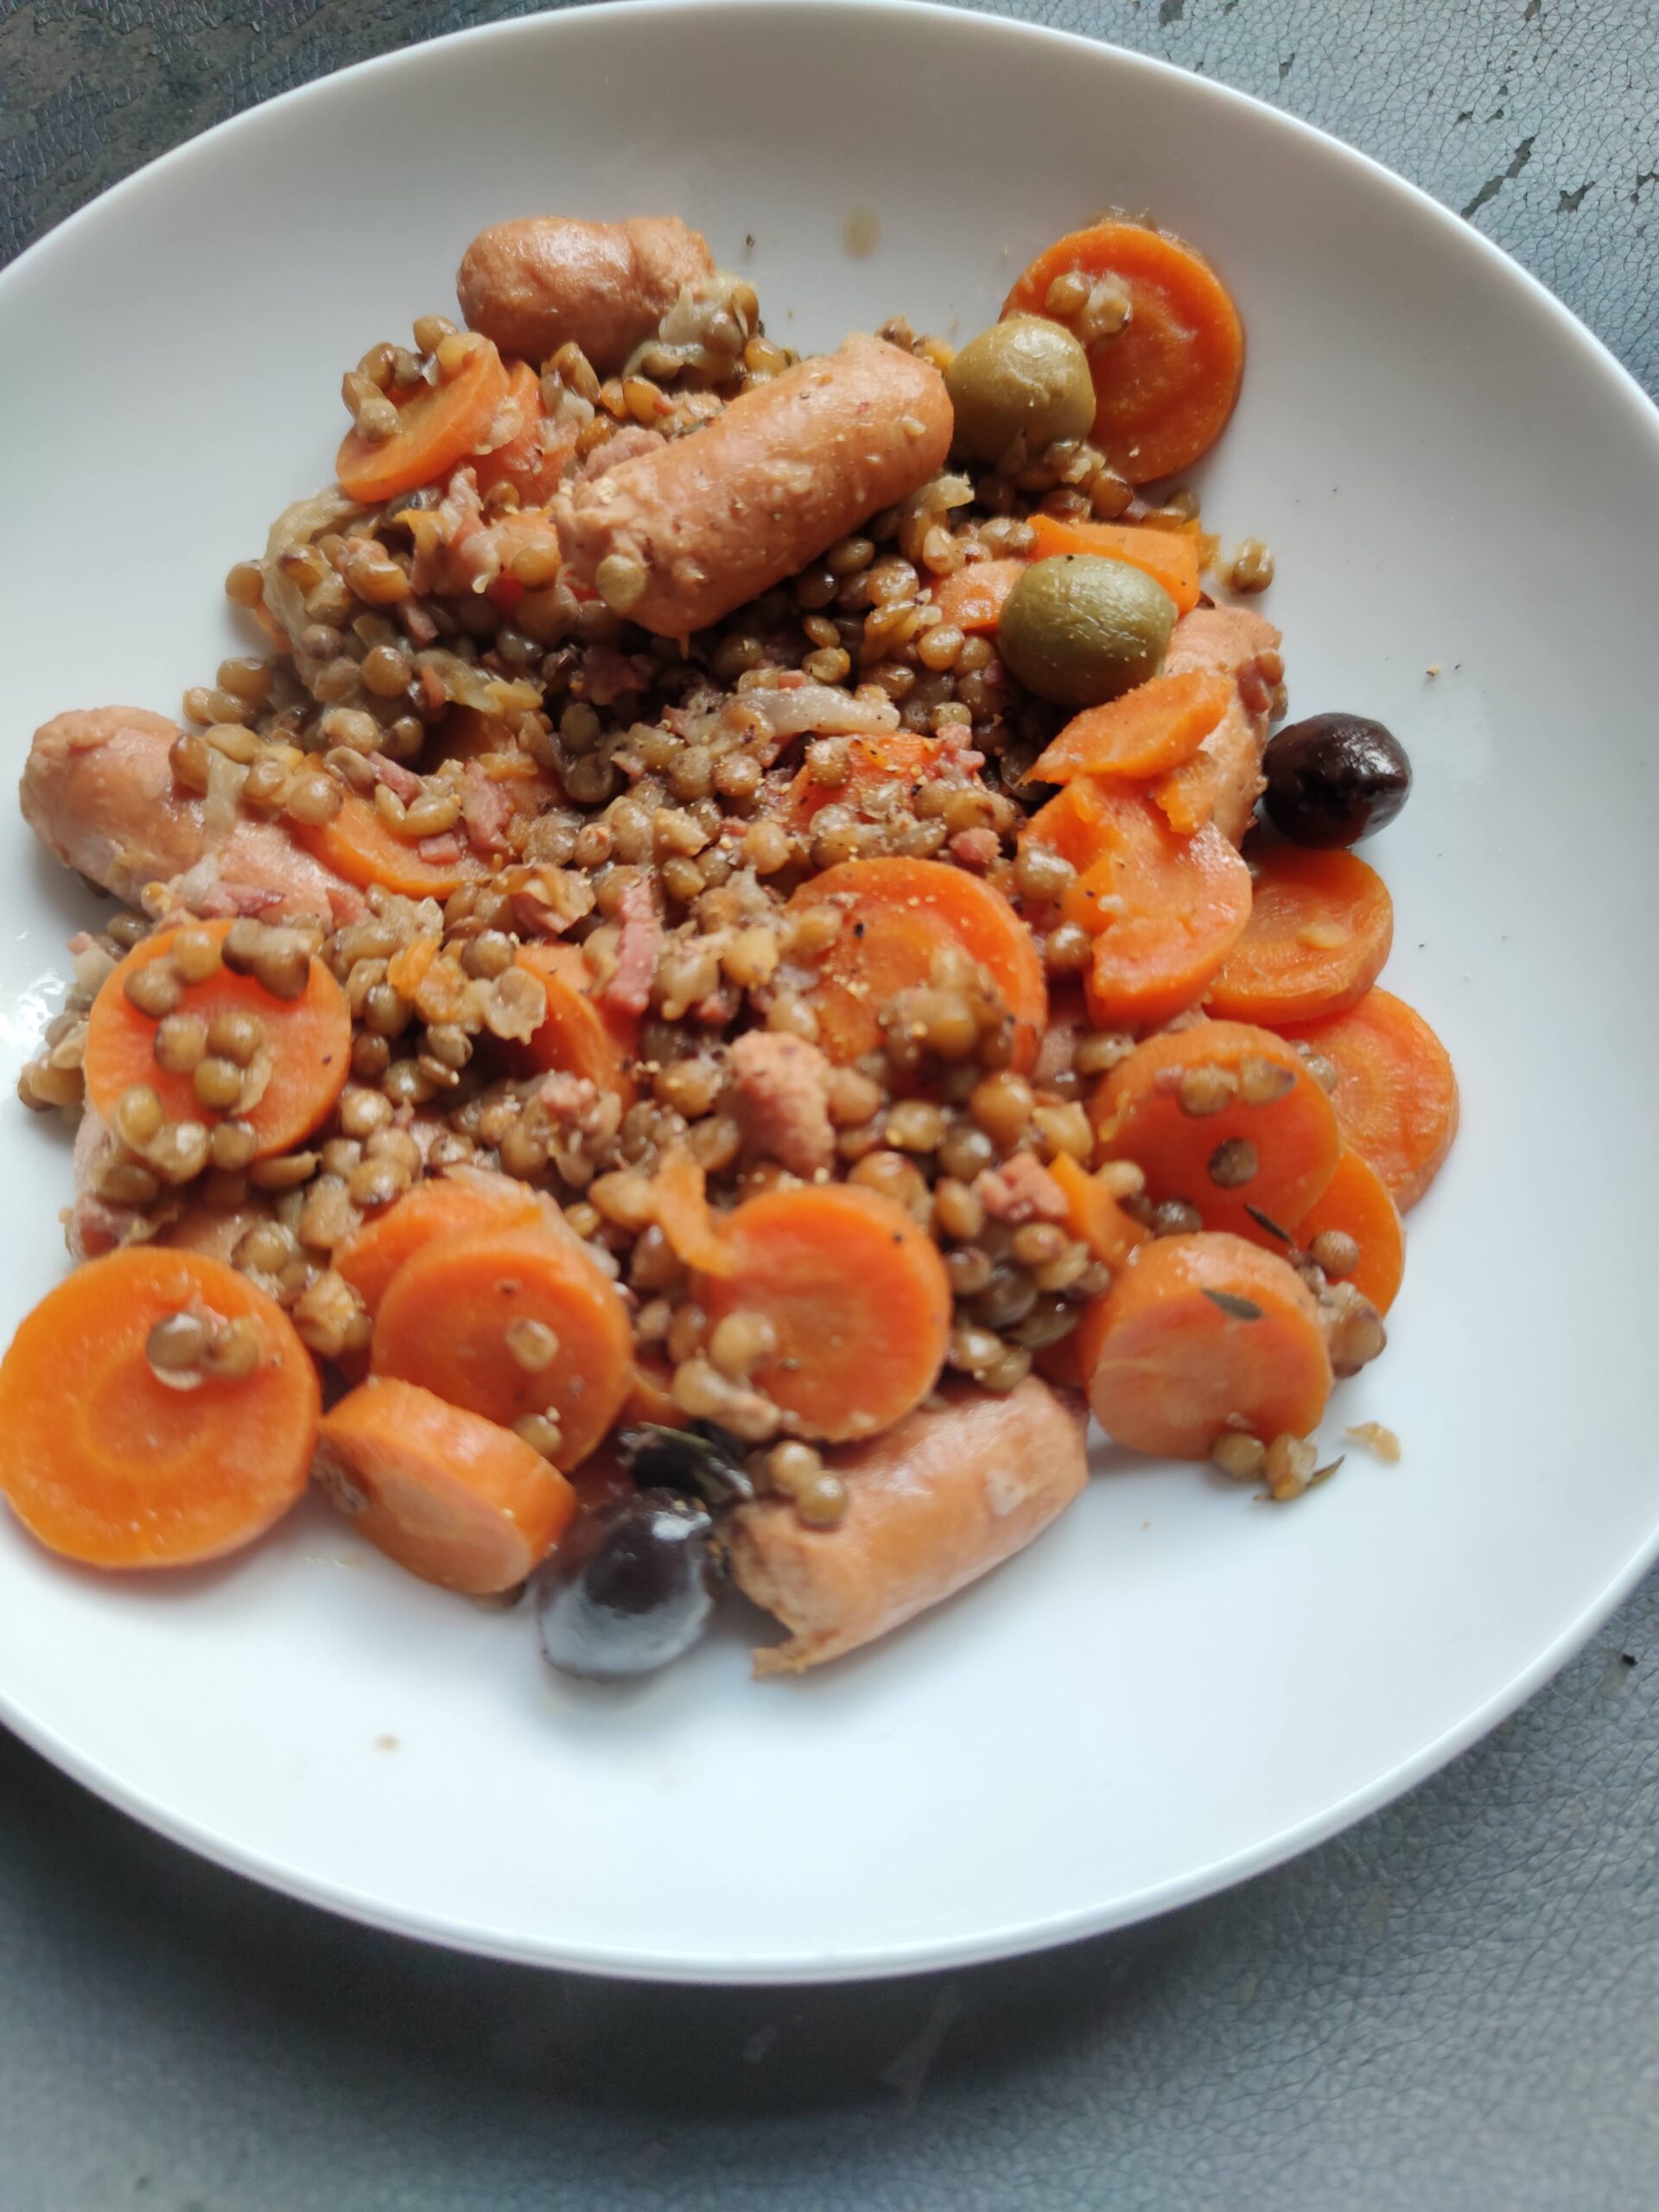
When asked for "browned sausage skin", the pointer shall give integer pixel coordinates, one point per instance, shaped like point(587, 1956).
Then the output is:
point(938, 1500)
point(678, 537)
point(551, 280)
point(99, 790)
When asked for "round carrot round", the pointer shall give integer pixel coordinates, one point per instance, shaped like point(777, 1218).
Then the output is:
point(1170, 558)
point(1165, 911)
point(1152, 729)
point(895, 913)
point(362, 846)
point(1396, 1096)
point(1199, 1335)
point(1321, 927)
point(469, 1317)
point(1165, 384)
point(108, 1464)
point(306, 1056)
point(857, 1295)
point(530, 462)
point(451, 1496)
point(1355, 1202)
point(579, 1034)
point(443, 1206)
point(1223, 1117)
point(889, 757)
point(438, 424)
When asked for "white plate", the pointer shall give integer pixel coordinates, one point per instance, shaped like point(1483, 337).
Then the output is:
point(1177, 1686)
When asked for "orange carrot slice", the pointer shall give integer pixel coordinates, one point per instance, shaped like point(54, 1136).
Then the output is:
point(109, 1464)
point(890, 757)
point(306, 1057)
point(1199, 1335)
point(451, 1496)
point(438, 424)
point(1166, 384)
point(1321, 927)
point(973, 598)
point(1396, 1096)
point(361, 845)
point(1170, 558)
point(896, 912)
point(1155, 727)
point(1355, 1201)
point(580, 1034)
point(1093, 1215)
point(857, 1295)
point(1167, 911)
point(530, 461)
point(470, 1318)
point(1265, 1100)
point(443, 1206)
point(1186, 795)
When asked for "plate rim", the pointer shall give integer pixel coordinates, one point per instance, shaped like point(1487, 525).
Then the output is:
point(1008, 1939)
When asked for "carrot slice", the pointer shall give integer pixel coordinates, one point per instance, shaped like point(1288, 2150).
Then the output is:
point(694, 1232)
point(1155, 727)
point(1396, 1096)
point(1093, 1215)
point(891, 757)
point(107, 1464)
point(857, 1295)
point(651, 1398)
point(1321, 927)
point(451, 1496)
point(1186, 795)
point(1355, 1201)
point(1292, 1134)
point(1170, 558)
point(361, 845)
point(443, 1205)
point(532, 461)
point(1199, 1335)
point(1167, 911)
point(580, 1034)
point(973, 598)
point(305, 1058)
point(896, 912)
point(453, 1318)
point(438, 425)
point(1166, 384)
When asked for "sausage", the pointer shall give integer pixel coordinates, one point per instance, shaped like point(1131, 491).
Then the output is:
point(99, 790)
point(936, 1501)
point(678, 537)
point(547, 281)
point(1238, 642)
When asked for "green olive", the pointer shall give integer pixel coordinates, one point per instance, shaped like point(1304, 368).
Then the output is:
point(1080, 629)
point(1026, 374)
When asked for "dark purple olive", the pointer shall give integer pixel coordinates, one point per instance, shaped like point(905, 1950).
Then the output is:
point(630, 1588)
point(1334, 779)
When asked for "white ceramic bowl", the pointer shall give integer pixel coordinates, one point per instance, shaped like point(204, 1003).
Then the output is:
point(1177, 1686)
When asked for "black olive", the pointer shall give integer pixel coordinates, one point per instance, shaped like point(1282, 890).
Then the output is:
point(704, 1460)
point(1334, 779)
point(630, 1588)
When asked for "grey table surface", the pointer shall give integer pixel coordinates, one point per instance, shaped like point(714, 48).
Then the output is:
point(1454, 2005)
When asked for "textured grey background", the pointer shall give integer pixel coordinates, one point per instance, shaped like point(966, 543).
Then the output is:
point(1454, 2008)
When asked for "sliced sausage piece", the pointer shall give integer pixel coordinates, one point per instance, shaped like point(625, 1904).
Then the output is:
point(1238, 642)
point(539, 283)
point(938, 1500)
point(99, 790)
point(680, 537)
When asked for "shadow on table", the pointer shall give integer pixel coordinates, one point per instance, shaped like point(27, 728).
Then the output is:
point(513, 2041)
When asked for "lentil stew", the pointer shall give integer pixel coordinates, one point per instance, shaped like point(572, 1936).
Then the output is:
point(605, 991)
